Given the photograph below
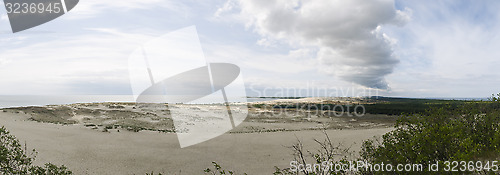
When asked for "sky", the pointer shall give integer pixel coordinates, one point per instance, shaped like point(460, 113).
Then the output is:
point(397, 48)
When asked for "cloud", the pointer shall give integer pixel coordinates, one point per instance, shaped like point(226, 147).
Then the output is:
point(348, 35)
point(93, 8)
point(295, 62)
point(4, 61)
point(449, 49)
point(460, 39)
point(63, 64)
point(3, 17)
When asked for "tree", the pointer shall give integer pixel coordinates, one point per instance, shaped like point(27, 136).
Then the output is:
point(470, 132)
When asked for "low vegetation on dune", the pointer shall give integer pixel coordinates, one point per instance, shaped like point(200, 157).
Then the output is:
point(370, 105)
point(103, 116)
point(469, 133)
point(436, 132)
point(461, 132)
point(115, 117)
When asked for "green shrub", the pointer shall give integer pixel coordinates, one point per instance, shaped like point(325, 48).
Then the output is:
point(470, 132)
point(50, 169)
point(218, 170)
point(258, 105)
point(14, 159)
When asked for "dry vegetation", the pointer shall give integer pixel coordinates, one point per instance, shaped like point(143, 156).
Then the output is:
point(113, 117)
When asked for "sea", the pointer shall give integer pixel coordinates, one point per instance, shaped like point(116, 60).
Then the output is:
point(7, 101)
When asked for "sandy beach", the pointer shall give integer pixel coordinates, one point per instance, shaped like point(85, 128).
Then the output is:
point(91, 151)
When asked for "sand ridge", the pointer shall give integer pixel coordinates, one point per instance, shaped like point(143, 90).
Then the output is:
point(254, 147)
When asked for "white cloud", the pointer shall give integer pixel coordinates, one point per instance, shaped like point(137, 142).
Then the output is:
point(449, 49)
point(228, 6)
point(403, 17)
point(295, 62)
point(3, 17)
point(92, 8)
point(345, 33)
point(68, 64)
point(4, 61)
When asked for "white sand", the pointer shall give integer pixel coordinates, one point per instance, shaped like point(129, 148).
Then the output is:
point(87, 151)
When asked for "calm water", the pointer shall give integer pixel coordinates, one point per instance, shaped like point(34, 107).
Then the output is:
point(29, 100)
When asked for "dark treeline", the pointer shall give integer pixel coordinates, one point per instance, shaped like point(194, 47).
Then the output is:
point(386, 105)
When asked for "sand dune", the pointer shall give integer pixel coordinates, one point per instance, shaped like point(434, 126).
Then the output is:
point(87, 151)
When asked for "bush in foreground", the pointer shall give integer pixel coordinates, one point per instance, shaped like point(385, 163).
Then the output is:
point(329, 151)
point(218, 170)
point(14, 159)
point(468, 133)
